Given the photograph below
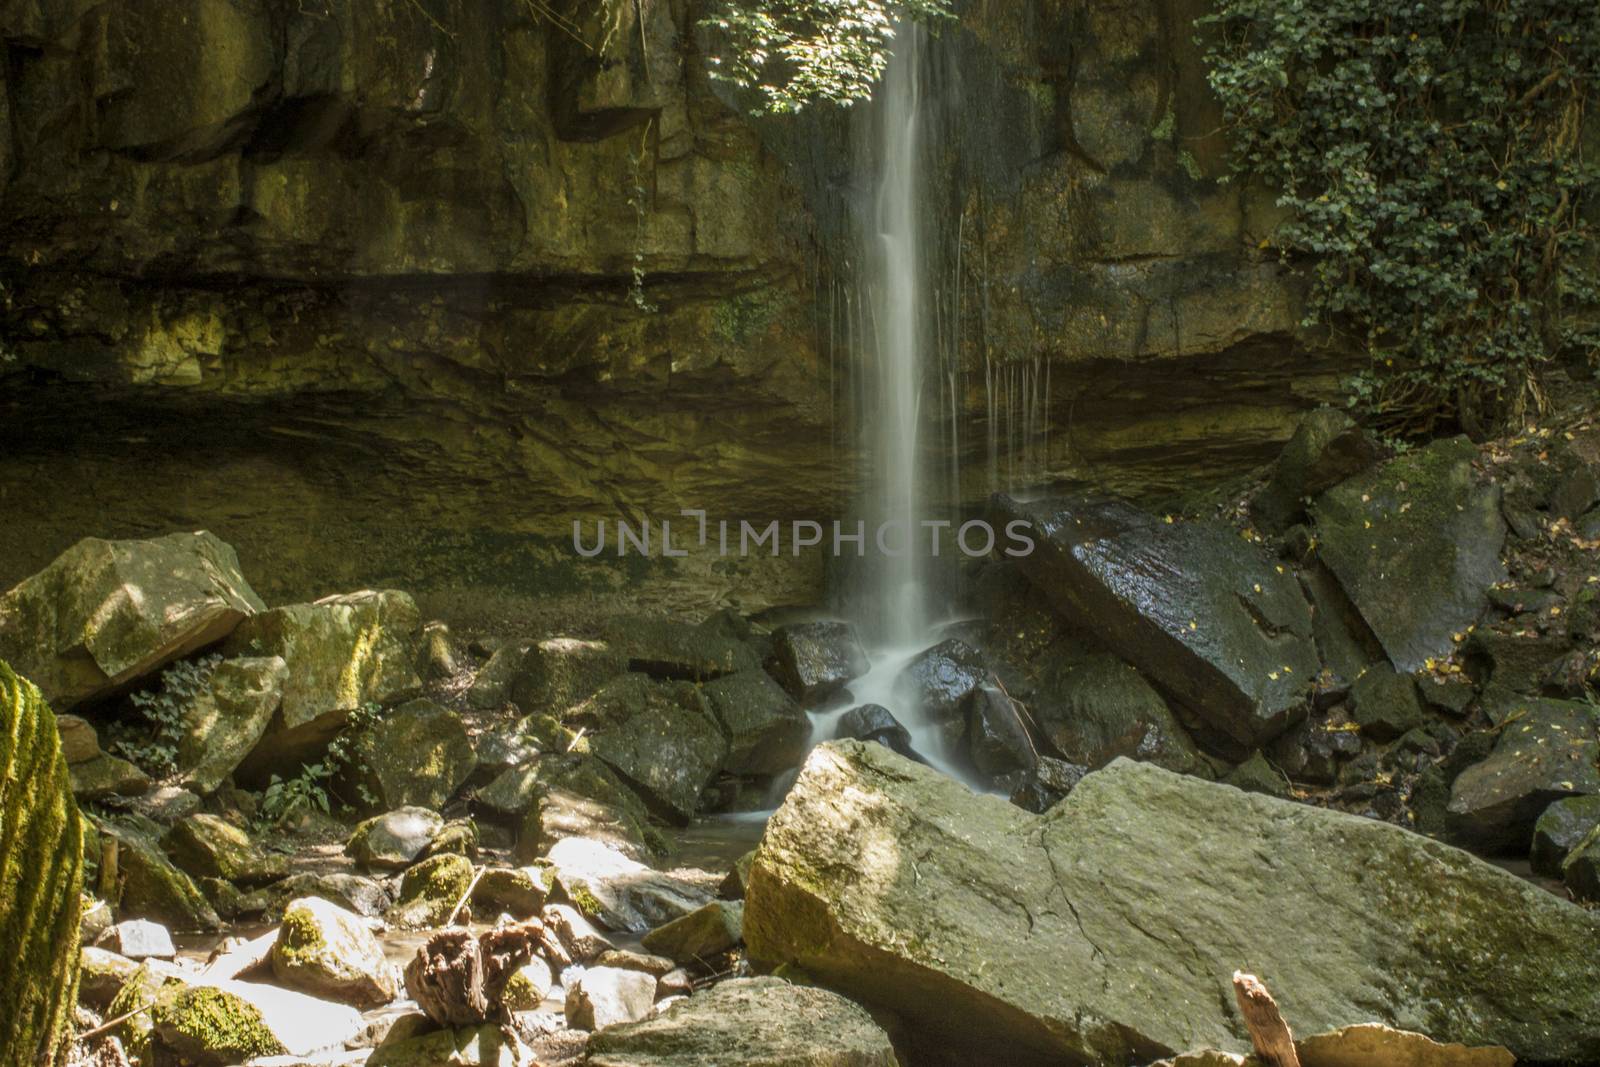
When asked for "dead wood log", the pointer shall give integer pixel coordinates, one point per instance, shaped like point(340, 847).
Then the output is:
point(458, 979)
point(1270, 1035)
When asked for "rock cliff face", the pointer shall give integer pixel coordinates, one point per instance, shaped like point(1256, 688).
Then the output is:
point(292, 269)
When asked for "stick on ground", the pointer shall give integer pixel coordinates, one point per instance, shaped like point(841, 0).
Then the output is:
point(1268, 1032)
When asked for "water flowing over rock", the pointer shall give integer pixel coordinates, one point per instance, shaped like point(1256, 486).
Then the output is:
point(1191, 605)
point(1105, 929)
point(342, 652)
point(105, 614)
point(41, 873)
point(1416, 545)
point(754, 1022)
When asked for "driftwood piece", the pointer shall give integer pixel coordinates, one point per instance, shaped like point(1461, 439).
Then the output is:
point(1270, 1035)
point(458, 979)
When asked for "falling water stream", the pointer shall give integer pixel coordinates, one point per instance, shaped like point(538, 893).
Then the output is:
point(898, 610)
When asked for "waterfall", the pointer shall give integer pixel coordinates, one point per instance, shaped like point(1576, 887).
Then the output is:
point(900, 316)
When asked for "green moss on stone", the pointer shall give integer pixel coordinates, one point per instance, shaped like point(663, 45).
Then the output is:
point(204, 1024)
point(41, 879)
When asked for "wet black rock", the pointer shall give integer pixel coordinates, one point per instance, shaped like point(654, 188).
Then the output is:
point(998, 740)
point(874, 722)
point(937, 683)
point(814, 660)
point(1194, 607)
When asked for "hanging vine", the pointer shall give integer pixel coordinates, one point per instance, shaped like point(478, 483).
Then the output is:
point(1431, 157)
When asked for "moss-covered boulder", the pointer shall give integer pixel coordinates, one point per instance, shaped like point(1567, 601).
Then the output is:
point(430, 891)
point(755, 1022)
point(1386, 703)
point(669, 748)
point(559, 813)
point(394, 839)
point(342, 652)
point(1416, 545)
point(41, 879)
point(224, 723)
point(491, 686)
point(329, 952)
point(767, 731)
point(210, 1027)
point(1547, 750)
point(1195, 608)
point(1106, 929)
point(107, 613)
point(529, 986)
point(150, 886)
point(417, 755)
point(209, 846)
point(667, 648)
point(1097, 708)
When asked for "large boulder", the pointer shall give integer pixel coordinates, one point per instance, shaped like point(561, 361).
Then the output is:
point(226, 720)
point(1416, 545)
point(1547, 750)
point(41, 876)
point(1192, 605)
point(106, 613)
point(665, 648)
point(342, 652)
point(751, 1022)
point(1105, 930)
point(417, 755)
point(669, 747)
point(767, 731)
point(326, 951)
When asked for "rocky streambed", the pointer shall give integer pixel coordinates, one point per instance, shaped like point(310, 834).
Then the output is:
point(1299, 733)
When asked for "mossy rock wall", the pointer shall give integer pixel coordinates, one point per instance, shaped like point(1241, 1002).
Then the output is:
point(41, 876)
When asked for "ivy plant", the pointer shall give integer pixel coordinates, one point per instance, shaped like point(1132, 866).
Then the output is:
point(163, 716)
point(796, 52)
point(1430, 158)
